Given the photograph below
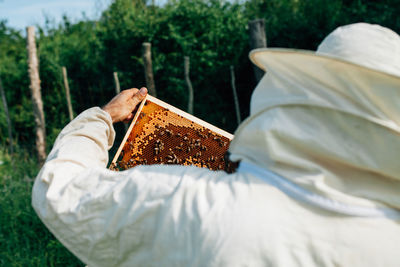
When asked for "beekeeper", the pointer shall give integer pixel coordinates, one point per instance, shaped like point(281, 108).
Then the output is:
point(318, 182)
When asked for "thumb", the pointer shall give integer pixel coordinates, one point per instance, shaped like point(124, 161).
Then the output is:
point(138, 97)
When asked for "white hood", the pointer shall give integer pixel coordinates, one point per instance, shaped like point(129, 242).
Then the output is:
point(330, 126)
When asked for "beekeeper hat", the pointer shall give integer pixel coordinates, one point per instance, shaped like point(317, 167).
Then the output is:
point(355, 69)
point(361, 44)
point(329, 121)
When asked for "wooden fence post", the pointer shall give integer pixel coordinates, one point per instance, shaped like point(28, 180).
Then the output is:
point(257, 40)
point(116, 80)
point(148, 69)
point(33, 69)
point(4, 100)
point(67, 93)
point(235, 97)
point(117, 91)
point(189, 85)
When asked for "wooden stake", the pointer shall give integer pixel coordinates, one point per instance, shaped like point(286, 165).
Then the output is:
point(235, 97)
point(4, 100)
point(257, 40)
point(116, 80)
point(189, 85)
point(33, 69)
point(67, 93)
point(148, 69)
point(117, 91)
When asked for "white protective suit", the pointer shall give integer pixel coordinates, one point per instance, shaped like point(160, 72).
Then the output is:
point(318, 184)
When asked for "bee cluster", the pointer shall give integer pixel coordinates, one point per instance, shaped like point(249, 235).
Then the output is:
point(172, 141)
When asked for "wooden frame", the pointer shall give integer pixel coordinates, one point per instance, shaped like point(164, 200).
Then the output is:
point(173, 109)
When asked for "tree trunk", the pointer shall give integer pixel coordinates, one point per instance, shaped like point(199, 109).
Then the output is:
point(189, 85)
point(33, 69)
point(235, 97)
point(4, 100)
point(67, 93)
point(148, 69)
point(257, 40)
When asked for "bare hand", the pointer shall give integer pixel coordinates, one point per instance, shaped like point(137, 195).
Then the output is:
point(121, 106)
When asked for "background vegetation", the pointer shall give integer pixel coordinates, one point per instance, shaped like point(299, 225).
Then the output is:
point(212, 32)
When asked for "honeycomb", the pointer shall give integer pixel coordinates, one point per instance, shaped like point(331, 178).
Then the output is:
point(163, 134)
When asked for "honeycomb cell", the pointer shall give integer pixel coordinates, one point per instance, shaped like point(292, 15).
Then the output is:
point(163, 134)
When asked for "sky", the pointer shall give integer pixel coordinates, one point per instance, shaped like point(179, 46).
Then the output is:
point(22, 13)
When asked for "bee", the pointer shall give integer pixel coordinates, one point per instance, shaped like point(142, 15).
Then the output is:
point(122, 164)
point(197, 143)
point(113, 166)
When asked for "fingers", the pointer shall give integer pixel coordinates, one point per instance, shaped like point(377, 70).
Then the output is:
point(130, 116)
point(128, 93)
point(138, 97)
point(133, 98)
point(121, 106)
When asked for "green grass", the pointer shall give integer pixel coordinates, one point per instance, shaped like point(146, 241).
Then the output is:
point(24, 240)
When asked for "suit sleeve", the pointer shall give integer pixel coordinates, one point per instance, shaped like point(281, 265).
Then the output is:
point(103, 217)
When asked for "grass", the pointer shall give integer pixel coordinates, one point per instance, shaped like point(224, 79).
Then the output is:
point(24, 240)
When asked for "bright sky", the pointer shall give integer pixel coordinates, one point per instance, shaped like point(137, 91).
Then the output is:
point(23, 13)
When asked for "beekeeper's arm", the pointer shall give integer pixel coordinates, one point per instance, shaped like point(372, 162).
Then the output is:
point(105, 217)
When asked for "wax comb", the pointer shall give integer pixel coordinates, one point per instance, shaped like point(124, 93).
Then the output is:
point(162, 134)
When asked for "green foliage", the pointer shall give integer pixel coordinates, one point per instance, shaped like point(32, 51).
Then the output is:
point(13, 73)
point(24, 240)
point(213, 33)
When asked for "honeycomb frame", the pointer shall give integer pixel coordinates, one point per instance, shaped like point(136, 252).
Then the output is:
point(163, 134)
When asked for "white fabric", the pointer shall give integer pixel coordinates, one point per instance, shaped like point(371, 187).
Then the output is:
point(330, 127)
point(299, 193)
point(186, 216)
point(371, 46)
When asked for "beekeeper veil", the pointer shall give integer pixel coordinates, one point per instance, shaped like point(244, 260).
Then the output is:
point(329, 120)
